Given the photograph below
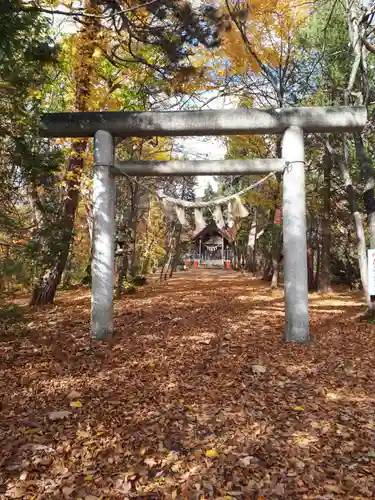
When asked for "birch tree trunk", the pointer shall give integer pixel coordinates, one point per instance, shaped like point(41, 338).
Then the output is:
point(359, 74)
point(368, 192)
point(358, 224)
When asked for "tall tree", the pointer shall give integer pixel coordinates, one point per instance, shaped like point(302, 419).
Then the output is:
point(86, 41)
point(27, 57)
point(159, 37)
point(260, 47)
point(327, 36)
point(324, 284)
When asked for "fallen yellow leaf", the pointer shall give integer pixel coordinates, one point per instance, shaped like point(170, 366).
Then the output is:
point(76, 404)
point(82, 434)
point(299, 408)
point(211, 453)
point(334, 488)
point(89, 477)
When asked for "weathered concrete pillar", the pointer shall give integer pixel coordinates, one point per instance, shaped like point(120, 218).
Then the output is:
point(294, 236)
point(103, 237)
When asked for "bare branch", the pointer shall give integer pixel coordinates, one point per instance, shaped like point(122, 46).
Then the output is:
point(76, 13)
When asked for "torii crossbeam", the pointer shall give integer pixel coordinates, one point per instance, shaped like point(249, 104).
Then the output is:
point(292, 123)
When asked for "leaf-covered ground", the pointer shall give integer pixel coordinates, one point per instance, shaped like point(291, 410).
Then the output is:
point(197, 398)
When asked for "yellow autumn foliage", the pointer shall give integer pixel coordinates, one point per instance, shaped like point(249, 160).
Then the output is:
point(151, 241)
point(259, 32)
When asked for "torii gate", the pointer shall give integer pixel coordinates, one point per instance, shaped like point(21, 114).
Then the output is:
point(290, 122)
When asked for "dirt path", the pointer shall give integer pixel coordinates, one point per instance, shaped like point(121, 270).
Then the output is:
point(173, 409)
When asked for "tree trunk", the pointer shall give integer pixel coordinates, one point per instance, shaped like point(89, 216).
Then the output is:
point(318, 266)
point(168, 258)
point(356, 31)
point(310, 269)
point(127, 263)
point(67, 275)
point(123, 264)
point(358, 224)
point(236, 259)
point(243, 260)
point(89, 219)
point(238, 251)
point(133, 225)
point(86, 280)
point(145, 265)
point(121, 269)
point(276, 253)
point(369, 178)
point(267, 270)
point(325, 278)
point(350, 275)
point(176, 253)
point(146, 260)
point(277, 228)
point(45, 290)
point(168, 264)
point(37, 233)
point(133, 250)
point(251, 244)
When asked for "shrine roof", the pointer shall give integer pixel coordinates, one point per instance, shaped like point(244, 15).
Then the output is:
point(210, 229)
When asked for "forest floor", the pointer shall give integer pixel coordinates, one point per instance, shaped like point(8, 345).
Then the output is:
point(196, 398)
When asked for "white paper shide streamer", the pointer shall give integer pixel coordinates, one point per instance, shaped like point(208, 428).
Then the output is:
point(230, 218)
point(180, 212)
point(239, 211)
point(235, 208)
point(167, 208)
point(218, 217)
point(199, 220)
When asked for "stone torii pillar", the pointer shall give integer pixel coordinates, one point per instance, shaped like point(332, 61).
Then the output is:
point(103, 240)
point(294, 238)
